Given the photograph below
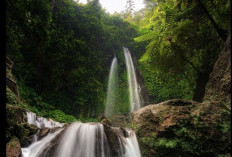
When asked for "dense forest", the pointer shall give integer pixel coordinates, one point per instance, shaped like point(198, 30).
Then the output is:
point(154, 82)
point(62, 51)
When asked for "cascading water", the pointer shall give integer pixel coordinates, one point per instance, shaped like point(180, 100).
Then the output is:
point(81, 140)
point(132, 146)
point(112, 88)
point(41, 122)
point(37, 146)
point(84, 140)
point(89, 139)
point(134, 88)
point(129, 146)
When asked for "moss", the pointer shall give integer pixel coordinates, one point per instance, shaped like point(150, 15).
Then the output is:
point(202, 131)
point(133, 126)
point(10, 97)
point(32, 128)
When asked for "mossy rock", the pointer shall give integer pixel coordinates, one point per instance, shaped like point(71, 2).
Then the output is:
point(17, 125)
point(15, 114)
point(11, 98)
point(32, 128)
point(113, 141)
point(118, 120)
point(187, 129)
point(13, 148)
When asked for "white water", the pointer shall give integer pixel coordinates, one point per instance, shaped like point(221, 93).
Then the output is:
point(83, 140)
point(37, 147)
point(132, 146)
point(111, 98)
point(134, 88)
point(129, 146)
point(41, 122)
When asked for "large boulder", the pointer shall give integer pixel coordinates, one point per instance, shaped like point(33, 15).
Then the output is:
point(118, 120)
point(17, 126)
point(13, 148)
point(28, 131)
point(218, 87)
point(43, 132)
point(183, 128)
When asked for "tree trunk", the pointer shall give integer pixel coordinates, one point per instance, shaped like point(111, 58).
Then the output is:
point(221, 32)
point(199, 91)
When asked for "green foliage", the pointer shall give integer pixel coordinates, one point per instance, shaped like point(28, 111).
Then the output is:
point(10, 97)
point(60, 116)
point(182, 42)
point(62, 51)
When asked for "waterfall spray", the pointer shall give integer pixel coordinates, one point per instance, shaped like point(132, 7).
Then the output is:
point(134, 88)
point(111, 98)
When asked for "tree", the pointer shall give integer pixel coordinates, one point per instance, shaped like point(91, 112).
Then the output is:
point(179, 40)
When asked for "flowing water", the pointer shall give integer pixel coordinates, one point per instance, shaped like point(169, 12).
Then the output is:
point(129, 146)
point(132, 146)
point(37, 146)
point(84, 140)
point(89, 139)
point(41, 122)
point(134, 88)
point(81, 140)
point(111, 99)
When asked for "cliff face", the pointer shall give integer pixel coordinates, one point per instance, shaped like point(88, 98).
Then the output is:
point(218, 87)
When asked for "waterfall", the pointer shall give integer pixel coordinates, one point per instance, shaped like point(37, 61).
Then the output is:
point(80, 140)
point(37, 146)
point(132, 146)
point(41, 122)
point(134, 88)
point(83, 140)
point(111, 98)
point(128, 143)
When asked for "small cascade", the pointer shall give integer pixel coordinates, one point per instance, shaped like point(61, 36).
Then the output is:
point(41, 122)
point(111, 98)
point(134, 88)
point(37, 146)
point(80, 140)
point(132, 146)
point(84, 140)
point(129, 146)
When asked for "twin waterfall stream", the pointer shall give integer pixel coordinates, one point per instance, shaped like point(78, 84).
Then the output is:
point(88, 139)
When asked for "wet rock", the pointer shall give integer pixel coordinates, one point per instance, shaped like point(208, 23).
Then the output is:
point(52, 130)
point(43, 132)
point(118, 120)
point(29, 132)
point(176, 127)
point(101, 117)
point(13, 148)
point(105, 122)
point(31, 127)
point(113, 140)
point(125, 133)
point(50, 150)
